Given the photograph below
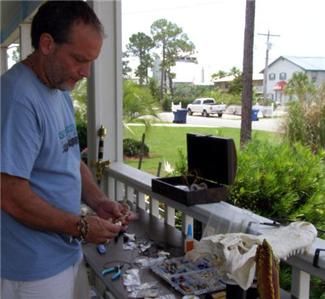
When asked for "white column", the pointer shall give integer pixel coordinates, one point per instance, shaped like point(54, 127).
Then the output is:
point(25, 40)
point(4, 60)
point(105, 85)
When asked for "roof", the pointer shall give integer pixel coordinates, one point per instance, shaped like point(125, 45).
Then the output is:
point(305, 63)
point(230, 78)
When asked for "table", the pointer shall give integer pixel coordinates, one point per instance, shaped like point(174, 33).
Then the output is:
point(151, 228)
point(146, 227)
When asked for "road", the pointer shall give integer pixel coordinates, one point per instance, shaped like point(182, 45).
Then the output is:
point(226, 121)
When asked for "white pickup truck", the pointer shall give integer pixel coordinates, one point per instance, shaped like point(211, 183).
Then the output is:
point(206, 106)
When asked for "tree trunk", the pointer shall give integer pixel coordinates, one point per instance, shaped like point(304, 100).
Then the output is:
point(247, 94)
point(171, 87)
point(162, 74)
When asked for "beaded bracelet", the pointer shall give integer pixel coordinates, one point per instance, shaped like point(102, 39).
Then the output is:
point(83, 228)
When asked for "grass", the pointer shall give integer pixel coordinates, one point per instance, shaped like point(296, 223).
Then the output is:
point(164, 142)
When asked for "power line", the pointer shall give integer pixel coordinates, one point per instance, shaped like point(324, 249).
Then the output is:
point(268, 47)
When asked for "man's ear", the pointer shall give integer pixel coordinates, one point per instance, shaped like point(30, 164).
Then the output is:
point(46, 43)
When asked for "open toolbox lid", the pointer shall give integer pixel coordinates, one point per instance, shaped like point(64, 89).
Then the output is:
point(211, 157)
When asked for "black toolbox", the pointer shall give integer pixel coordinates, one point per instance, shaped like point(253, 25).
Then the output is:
point(212, 164)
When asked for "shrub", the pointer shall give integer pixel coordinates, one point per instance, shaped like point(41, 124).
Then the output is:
point(306, 121)
point(82, 135)
point(132, 148)
point(280, 181)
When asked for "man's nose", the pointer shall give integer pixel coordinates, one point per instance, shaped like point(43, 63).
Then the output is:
point(85, 70)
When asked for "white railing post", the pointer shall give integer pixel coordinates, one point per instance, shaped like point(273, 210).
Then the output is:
point(120, 191)
point(111, 188)
point(300, 284)
point(169, 215)
point(130, 196)
point(141, 201)
point(154, 207)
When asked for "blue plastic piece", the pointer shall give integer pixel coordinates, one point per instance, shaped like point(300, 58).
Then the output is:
point(101, 249)
point(189, 231)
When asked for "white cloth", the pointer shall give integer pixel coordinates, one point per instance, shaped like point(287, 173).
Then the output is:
point(72, 283)
point(234, 253)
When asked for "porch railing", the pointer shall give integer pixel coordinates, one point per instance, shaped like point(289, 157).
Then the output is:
point(127, 183)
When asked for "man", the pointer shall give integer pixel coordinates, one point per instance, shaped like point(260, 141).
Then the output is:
point(42, 177)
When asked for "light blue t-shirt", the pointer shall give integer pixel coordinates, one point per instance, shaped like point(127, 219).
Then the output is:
point(39, 142)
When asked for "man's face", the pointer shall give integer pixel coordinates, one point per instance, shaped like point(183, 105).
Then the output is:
point(70, 62)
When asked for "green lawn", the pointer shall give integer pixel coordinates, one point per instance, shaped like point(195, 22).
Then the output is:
point(164, 142)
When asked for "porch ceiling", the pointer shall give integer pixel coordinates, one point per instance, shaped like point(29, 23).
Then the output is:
point(13, 13)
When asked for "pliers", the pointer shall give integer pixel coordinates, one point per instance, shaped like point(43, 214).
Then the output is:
point(116, 270)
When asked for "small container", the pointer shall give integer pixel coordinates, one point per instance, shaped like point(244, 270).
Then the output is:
point(189, 241)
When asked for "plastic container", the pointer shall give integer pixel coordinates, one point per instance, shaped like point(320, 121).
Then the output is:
point(180, 116)
point(189, 241)
point(255, 114)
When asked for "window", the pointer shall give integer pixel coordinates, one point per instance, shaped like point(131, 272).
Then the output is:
point(210, 101)
point(313, 76)
point(271, 76)
point(283, 76)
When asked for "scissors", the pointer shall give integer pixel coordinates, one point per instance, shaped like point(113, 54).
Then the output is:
point(115, 269)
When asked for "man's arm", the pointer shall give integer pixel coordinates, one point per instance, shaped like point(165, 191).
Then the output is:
point(99, 202)
point(19, 201)
point(91, 194)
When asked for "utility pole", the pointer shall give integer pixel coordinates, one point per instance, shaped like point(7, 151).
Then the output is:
point(268, 47)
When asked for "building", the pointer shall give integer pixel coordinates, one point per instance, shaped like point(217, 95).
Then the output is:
point(187, 70)
point(224, 83)
point(280, 71)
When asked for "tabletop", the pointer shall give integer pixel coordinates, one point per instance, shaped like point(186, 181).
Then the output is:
point(147, 227)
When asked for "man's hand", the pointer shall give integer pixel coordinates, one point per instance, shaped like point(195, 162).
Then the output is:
point(101, 230)
point(108, 209)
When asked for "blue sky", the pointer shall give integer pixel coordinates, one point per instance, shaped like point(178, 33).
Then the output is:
point(216, 27)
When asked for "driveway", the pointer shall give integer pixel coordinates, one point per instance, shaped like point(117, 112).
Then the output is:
point(226, 121)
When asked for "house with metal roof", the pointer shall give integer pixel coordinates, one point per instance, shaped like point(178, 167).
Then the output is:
point(280, 71)
point(224, 83)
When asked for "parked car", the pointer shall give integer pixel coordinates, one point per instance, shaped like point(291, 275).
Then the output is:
point(206, 107)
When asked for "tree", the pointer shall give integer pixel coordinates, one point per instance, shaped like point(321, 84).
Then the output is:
point(138, 104)
point(247, 94)
point(173, 44)
point(79, 96)
point(125, 65)
point(16, 53)
point(140, 45)
point(300, 86)
point(218, 75)
point(236, 85)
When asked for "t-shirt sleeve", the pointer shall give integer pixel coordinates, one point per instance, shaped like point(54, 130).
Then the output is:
point(20, 137)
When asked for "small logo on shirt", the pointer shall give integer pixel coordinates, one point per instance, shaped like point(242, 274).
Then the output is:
point(68, 137)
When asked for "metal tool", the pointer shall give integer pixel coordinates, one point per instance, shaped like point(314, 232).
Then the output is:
point(115, 269)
